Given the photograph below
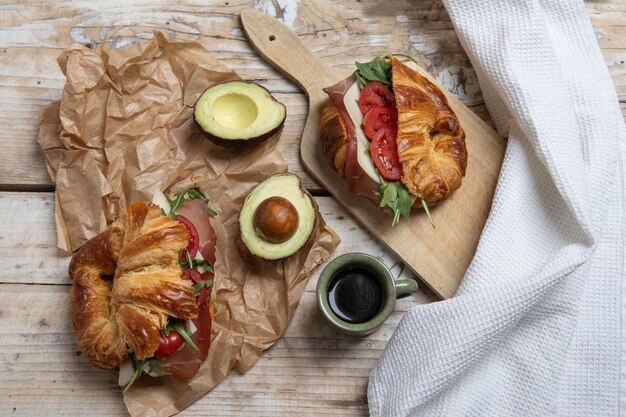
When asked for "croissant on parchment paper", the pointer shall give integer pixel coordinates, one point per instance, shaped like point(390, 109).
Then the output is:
point(126, 282)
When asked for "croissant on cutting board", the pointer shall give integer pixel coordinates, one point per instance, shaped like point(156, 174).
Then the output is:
point(388, 126)
point(135, 290)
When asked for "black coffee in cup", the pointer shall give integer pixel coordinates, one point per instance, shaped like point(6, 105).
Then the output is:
point(355, 295)
point(356, 292)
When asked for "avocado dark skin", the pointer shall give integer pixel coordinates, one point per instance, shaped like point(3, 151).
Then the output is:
point(241, 143)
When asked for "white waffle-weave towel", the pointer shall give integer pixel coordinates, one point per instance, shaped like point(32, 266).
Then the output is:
point(535, 329)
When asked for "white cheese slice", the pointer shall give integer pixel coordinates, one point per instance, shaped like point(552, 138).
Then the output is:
point(192, 327)
point(159, 199)
point(350, 100)
point(126, 373)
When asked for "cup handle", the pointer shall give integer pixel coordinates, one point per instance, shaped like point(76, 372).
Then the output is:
point(405, 287)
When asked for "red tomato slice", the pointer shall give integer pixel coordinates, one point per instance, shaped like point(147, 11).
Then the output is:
point(195, 211)
point(378, 118)
point(375, 94)
point(384, 152)
point(192, 275)
point(194, 239)
point(168, 344)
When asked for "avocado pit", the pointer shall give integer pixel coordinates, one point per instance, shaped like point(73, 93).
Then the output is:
point(276, 219)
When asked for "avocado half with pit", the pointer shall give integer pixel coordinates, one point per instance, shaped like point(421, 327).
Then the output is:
point(277, 217)
point(239, 113)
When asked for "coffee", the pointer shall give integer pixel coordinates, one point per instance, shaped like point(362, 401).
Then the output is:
point(355, 295)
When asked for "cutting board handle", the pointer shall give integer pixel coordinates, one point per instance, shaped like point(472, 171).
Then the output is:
point(281, 46)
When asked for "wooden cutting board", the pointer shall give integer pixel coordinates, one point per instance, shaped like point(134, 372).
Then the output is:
point(439, 256)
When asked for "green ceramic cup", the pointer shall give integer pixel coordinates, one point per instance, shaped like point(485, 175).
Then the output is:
point(392, 289)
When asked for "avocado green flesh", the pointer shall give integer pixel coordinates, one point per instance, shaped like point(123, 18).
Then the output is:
point(282, 185)
point(238, 110)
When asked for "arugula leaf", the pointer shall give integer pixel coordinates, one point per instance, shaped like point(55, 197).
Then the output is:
point(153, 367)
point(390, 194)
point(195, 263)
point(404, 199)
point(394, 195)
point(203, 283)
point(427, 210)
point(367, 71)
point(361, 82)
point(377, 69)
point(186, 265)
point(197, 194)
point(184, 333)
point(137, 367)
point(189, 194)
point(382, 68)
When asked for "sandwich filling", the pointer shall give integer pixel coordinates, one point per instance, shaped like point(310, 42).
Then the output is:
point(183, 345)
point(366, 104)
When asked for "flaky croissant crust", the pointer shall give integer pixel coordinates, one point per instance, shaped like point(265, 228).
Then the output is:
point(431, 142)
point(126, 282)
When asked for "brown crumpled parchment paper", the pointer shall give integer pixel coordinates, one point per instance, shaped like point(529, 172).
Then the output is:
point(124, 127)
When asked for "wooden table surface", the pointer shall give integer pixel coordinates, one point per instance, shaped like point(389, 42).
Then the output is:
point(312, 369)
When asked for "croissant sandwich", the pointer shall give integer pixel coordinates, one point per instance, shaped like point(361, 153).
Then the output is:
point(141, 300)
point(393, 136)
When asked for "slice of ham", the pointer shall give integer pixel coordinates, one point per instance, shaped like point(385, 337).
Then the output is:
point(358, 181)
point(196, 212)
point(186, 362)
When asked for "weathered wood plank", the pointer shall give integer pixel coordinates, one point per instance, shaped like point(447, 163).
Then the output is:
point(32, 37)
point(28, 252)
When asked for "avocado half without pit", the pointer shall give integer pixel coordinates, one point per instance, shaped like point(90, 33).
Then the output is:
point(277, 217)
point(237, 113)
